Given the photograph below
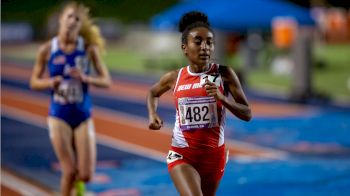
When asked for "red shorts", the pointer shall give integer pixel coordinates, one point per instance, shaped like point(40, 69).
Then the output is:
point(209, 163)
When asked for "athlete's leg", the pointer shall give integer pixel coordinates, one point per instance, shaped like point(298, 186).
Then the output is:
point(210, 181)
point(61, 136)
point(186, 179)
point(209, 187)
point(85, 142)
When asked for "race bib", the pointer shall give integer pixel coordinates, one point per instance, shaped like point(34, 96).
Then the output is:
point(69, 91)
point(197, 112)
point(216, 79)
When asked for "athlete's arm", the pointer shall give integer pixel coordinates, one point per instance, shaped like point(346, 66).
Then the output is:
point(37, 82)
point(238, 105)
point(165, 83)
point(103, 79)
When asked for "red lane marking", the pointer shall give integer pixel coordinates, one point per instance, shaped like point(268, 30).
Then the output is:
point(8, 191)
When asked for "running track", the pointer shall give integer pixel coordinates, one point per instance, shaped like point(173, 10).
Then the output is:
point(128, 128)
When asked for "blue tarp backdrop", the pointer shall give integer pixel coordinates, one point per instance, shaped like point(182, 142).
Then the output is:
point(234, 15)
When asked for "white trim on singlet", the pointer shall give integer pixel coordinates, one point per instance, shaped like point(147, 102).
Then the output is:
point(80, 44)
point(54, 45)
point(222, 81)
point(223, 114)
point(178, 139)
point(222, 127)
point(198, 74)
point(177, 80)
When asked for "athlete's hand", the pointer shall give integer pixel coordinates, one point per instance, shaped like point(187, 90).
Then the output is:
point(55, 82)
point(155, 123)
point(212, 90)
point(78, 74)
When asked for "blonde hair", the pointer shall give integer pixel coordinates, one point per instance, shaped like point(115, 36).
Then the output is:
point(89, 31)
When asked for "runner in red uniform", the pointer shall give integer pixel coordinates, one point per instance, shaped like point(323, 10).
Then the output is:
point(201, 90)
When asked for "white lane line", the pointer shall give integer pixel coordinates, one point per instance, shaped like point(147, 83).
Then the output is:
point(267, 153)
point(131, 148)
point(21, 186)
point(124, 118)
point(39, 121)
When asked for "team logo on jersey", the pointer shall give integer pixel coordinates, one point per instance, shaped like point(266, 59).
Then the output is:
point(59, 60)
point(182, 100)
point(173, 156)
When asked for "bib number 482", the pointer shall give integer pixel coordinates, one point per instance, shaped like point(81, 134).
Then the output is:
point(194, 115)
point(197, 114)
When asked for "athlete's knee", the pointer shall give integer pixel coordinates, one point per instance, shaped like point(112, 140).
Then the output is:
point(68, 173)
point(190, 191)
point(85, 177)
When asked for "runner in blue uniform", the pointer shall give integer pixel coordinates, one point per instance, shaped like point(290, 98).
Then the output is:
point(68, 57)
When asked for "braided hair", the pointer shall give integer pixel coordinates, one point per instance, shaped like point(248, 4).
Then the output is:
point(190, 21)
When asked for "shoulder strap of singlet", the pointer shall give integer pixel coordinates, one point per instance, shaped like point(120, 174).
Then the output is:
point(178, 78)
point(80, 44)
point(54, 44)
point(218, 71)
point(215, 67)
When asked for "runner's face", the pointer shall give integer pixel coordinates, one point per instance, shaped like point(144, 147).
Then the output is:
point(199, 46)
point(70, 21)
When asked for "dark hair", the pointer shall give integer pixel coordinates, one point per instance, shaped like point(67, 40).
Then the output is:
point(190, 21)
